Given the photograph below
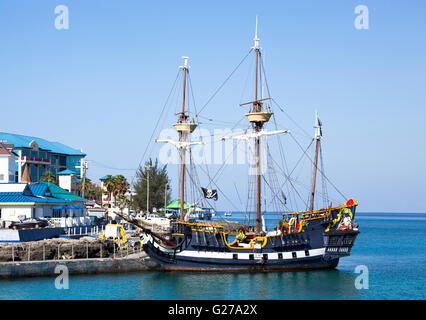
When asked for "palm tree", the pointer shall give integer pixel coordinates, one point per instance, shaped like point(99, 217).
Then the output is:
point(48, 176)
point(98, 194)
point(121, 186)
point(109, 185)
point(88, 187)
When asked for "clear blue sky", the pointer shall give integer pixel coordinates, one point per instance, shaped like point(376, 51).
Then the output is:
point(101, 84)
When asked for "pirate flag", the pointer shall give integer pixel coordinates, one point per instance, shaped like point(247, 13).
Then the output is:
point(209, 193)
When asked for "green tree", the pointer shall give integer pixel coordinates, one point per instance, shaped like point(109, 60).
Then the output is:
point(109, 185)
point(88, 188)
point(48, 176)
point(120, 187)
point(158, 180)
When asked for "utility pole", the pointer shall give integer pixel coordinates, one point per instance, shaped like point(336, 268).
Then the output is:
point(130, 203)
point(147, 168)
point(84, 167)
point(165, 196)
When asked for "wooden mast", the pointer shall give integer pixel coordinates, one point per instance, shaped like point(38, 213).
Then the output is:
point(184, 127)
point(317, 137)
point(258, 125)
point(182, 137)
point(257, 116)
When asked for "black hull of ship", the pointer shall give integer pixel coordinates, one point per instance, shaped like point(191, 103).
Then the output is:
point(204, 249)
point(228, 265)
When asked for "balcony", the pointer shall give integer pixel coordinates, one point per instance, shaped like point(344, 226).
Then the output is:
point(33, 160)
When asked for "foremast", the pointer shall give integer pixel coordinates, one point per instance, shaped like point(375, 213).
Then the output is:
point(184, 126)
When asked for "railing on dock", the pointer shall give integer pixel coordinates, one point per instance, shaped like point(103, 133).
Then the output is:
point(84, 230)
point(67, 251)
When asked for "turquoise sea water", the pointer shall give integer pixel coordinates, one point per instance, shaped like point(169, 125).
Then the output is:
point(391, 245)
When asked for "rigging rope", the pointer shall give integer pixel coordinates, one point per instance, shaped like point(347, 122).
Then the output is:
point(344, 197)
point(156, 125)
point(226, 80)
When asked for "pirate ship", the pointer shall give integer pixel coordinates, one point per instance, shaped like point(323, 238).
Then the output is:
point(310, 239)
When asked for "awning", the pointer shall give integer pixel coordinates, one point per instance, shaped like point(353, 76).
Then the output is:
point(60, 207)
point(77, 207)
point(175, 204)
point(69, 207)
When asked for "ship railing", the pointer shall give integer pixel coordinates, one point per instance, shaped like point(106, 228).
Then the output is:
point(181, 225)
point(320, 213)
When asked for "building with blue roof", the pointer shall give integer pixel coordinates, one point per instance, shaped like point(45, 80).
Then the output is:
point(20, 201)
point(39, 155)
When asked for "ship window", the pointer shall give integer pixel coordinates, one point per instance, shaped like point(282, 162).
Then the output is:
point(294, 254)
point(235, 256)
point(307, 253)
point(265, 256)
point(280, 255)
point(251, 256)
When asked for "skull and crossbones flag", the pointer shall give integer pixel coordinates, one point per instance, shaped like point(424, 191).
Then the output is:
point(209, 193)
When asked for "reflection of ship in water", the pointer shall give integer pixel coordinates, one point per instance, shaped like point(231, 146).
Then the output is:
point(303, 239)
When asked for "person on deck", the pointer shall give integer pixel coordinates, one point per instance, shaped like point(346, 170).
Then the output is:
point(241, 235)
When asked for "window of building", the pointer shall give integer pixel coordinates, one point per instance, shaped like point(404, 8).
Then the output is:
point(62, 160)
point(73, 161)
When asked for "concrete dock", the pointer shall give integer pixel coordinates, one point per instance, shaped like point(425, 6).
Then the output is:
point(135, 263)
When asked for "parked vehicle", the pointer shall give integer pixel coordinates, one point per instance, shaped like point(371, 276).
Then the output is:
point(29, 223)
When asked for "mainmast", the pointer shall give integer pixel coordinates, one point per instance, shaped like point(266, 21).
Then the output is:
point(317, 137)
point(257, 117)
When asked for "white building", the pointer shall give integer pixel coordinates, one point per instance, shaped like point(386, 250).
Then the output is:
point(20, 201)
point(7, 163)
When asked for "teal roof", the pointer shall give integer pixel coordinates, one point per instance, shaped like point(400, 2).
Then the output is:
point(21, 141)
point(38, 193)
point(40, 189)
point(60, 193)
point(66, 172)
point(19, 197)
